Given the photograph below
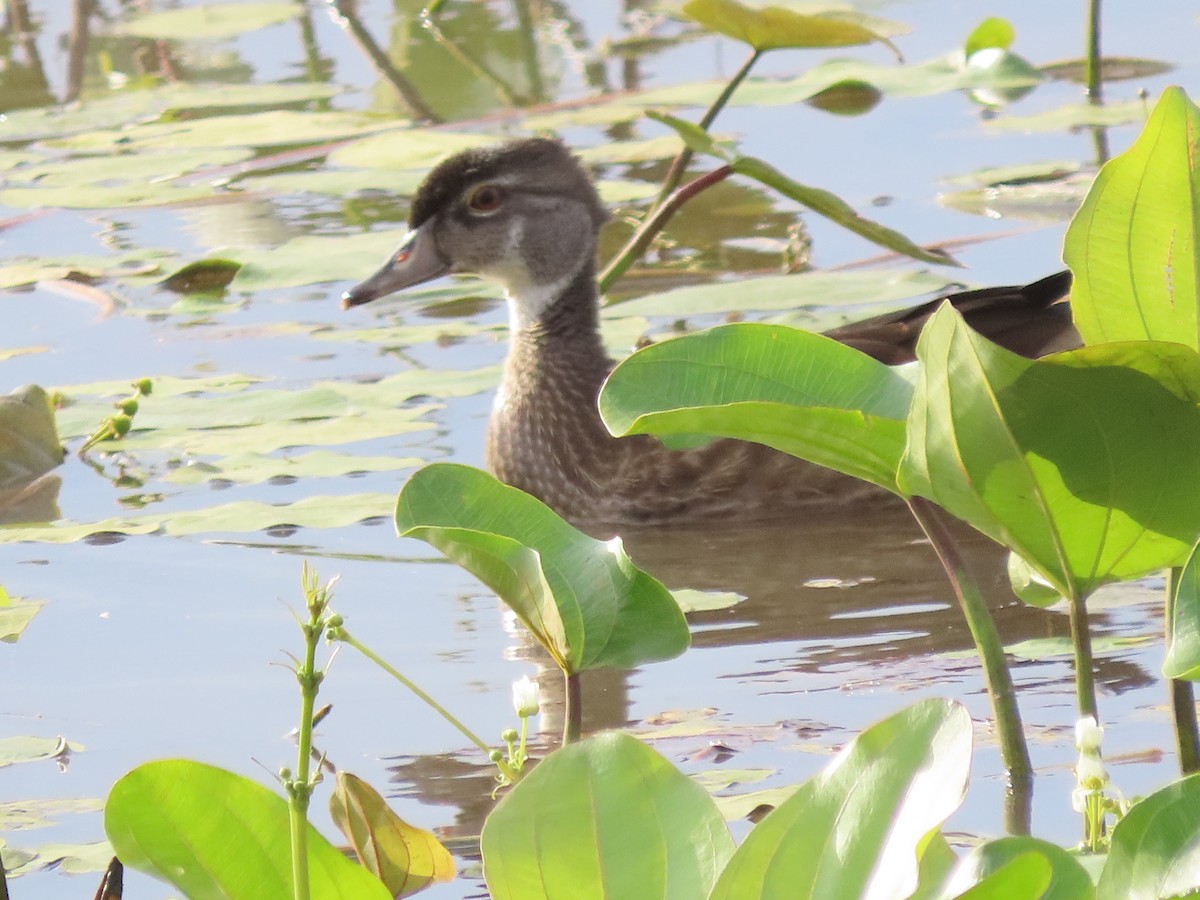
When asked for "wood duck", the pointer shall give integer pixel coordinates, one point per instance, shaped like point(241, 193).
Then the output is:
point(527, 215)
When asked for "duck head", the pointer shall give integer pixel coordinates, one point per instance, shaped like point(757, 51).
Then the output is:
point(525, 214)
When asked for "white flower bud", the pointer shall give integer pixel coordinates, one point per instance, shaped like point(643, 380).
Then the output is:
point(1088, 735)
point(525, 697)
point(1089, 772)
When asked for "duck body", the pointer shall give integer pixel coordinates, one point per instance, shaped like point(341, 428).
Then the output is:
point(527, 215)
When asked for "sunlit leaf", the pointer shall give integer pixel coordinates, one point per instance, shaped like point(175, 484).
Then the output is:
point(858, 828)
point(583, 599)
point(1032, 202)
point(313, 259)
point(798, 392)
point(992, 32)
point(691, 600)
point(70, 859)
point(1081, 462)
point(847, 98)
point(104, 196)
point(1133, 247)
point(15, 616)
point(405, 858)
point(211, 833)
point(208, 21)
point(604, 818)
point(774, 27)
point(1183, 651)
point(1154, 852)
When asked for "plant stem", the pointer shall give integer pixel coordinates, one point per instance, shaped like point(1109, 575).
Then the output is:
point(1093, 73)
point(1081, 639)
point(680, 163)
point(299, 787)
point(995, 669)
point(650, 228)
point(345, 636)
point(574, 710)
point(1183, 700)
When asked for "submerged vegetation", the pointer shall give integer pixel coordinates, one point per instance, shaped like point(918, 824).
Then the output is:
point(1082, 465)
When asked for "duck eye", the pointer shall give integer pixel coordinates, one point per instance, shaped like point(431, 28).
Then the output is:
point(485, 199)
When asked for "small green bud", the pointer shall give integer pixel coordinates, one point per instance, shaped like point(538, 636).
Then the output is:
point(128, 406)
point(495, 756)
point(285, 774)
point(335, 621)
point(508, 735)
point(120, 424)
point(144, 386)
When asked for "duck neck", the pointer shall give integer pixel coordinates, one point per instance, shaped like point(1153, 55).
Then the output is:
point(562, 345)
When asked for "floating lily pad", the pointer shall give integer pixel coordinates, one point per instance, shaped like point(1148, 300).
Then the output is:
point(1112, 68)
point(1032, 202)
point(338, 182)
point(313, 260)
point(691, 600)
point(407, 149)
point(70, 859)
point(207, 21)
point(776, 27)
point(104, 196)
point(255, 468)
point(274, 128)
point(1077, 115)
point(15, 615)
point(29, 441)
point(19, 815)
point(34, 749)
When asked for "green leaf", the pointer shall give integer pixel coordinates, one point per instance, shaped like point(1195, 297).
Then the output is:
point(29, 442)
point(1183, 651)
point(405, 858)
point(1068, 118)
point(15, 616)
point(313, 259)
point(1133, 246)
point(838, 211)
point(802, 393)
point(991, 32)
point(211, 833)
point(406, 149)
point(1011, 867)
point(775, 27)
point(604, 818)
point(1154, 851)
point(859, 827)
point(1082, 463)
point(33, 749)
point(584, 601)
point(257, 468)
point(208, 21)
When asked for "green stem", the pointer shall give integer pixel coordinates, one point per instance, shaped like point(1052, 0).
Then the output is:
point(1081, 639)
point(650, 228)
point(345, 637)
point(299, 789)
point(1093, 73)
point(995, 669)
point(1183, 699)
point(680, 163)
point(574, 711)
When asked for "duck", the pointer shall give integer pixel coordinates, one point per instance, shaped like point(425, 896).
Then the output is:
point(526, 214)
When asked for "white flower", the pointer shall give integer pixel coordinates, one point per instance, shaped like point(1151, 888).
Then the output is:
point(525, 697)
point(1089, 772)
point(1088, 735)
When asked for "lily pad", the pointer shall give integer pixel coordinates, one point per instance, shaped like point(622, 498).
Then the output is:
point(29, 442)
point(34, 749)
point(15, 615)
point(776, 27)
point(1070, 117)
point(411, 149)
point(207, 21)
point(256, 468)
point(21, 815)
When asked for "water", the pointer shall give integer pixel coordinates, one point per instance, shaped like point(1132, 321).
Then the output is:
point(158, 646)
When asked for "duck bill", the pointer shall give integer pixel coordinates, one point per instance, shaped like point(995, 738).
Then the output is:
point(415, 262)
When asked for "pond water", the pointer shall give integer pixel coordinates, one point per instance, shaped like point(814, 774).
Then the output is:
point(173, 642)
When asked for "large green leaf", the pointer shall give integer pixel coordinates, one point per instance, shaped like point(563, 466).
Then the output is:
point(776, 27)
point(1083, 463)
point(1183, 652)
point(583, 599)
point(1045, 872)
point(1155, 849)
point(860, 827)
point(1133, 245)
point(798, 392)
point(214, 834)
point(604, 818)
